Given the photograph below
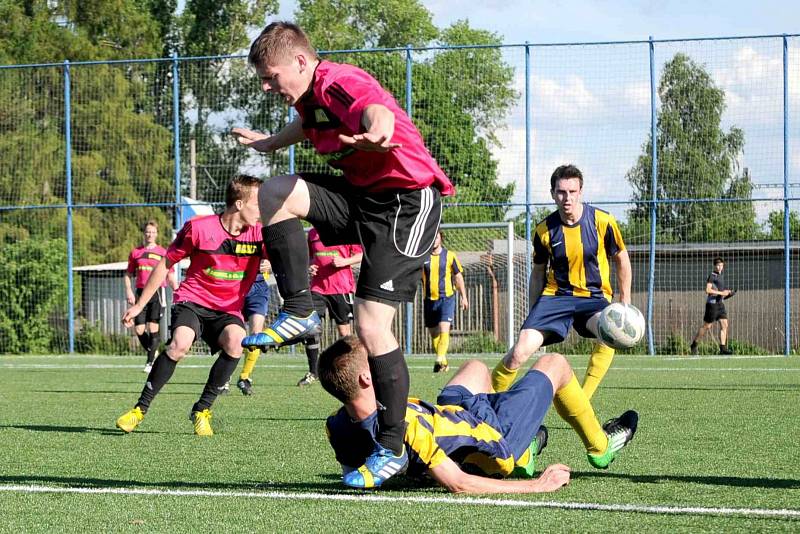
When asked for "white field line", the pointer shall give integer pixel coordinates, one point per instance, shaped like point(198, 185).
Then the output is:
point(80, 365)
point(464, 501)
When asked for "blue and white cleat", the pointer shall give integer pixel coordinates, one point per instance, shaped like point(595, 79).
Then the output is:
point(286, 330)
point(381, 465)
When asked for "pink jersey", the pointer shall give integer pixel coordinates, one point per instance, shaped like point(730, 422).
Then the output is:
point(335, 105)
point(331, 280)
point(223, 266)
point(142, 261)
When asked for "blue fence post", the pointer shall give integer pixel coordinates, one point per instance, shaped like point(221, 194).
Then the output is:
point(176, 133)
point(786, 220)
point(291, 147)
point(409, 305)
point(651, 282)
point(68, 164)
point(528, 164)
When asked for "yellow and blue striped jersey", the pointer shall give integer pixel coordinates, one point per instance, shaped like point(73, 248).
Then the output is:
point(438, 274)
point(578, 255)
point(433, 433)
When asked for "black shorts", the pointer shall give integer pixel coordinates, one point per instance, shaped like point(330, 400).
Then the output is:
point(153, 310)
point(714, 312)
point(207, 324)
point(396, 230)
point(339, 306)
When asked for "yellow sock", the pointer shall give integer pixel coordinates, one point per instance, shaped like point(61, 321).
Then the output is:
point(574, 407)
point(599, 362)
point(442, 346)
point(251, 357)
point(503, 377)
point(435, 341)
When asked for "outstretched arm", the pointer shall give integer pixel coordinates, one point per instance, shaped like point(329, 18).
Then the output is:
point(378, 120)
point(450, 475)
point(289, 135)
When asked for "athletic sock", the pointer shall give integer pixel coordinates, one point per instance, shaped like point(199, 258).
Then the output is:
point(312, 354)
point(287, 249)
point(391, 382)
point(159, 375)
point(151, 349)
point(219, 375)
point(435, 341)
point(144, 339)
point(503, 377)
point(442, 346)
point(574, 407)
point(599, 362)
point(250, 359)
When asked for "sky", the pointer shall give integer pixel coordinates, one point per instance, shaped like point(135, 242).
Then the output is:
point(590, 105)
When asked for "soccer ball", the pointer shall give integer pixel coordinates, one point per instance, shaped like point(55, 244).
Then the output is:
point(620, 326)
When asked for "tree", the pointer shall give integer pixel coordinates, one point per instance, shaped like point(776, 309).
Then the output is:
point(696, 160)
point(775, 225)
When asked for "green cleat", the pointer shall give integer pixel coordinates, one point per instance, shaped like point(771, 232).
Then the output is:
point(537, 445)
point(620, 432)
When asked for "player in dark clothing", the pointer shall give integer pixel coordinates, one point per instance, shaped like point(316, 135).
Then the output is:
point(716, 292)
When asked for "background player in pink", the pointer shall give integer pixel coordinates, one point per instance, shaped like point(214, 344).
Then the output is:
point(225, 251)
point(332, 286)
point(141, 262)
point(388, 200)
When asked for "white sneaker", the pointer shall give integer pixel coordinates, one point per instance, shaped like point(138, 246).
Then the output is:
point(148, 367)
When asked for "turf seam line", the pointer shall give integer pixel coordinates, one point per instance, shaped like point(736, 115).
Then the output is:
point(470, 501)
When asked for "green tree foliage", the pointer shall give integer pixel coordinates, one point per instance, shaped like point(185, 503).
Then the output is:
point(33, 293)
point(457, 120)
point(774, 230)
point(696, 159)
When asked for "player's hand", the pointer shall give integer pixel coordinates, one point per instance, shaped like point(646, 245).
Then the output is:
point(464, 303)
point(340, 262)
point(130, 315)
point(730, 293)
point(255, 140)
point(265, 267)
point(553, 477)
point(369, 142)
point(313, 270)
point(131, 298)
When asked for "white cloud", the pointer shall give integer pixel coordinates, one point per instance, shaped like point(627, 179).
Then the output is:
point(568, 99)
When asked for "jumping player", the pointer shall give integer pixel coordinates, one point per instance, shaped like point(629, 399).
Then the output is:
point(225, 252)
point(388, 201)
point(141, 262)
point(332, 286)
point(570, 282)
point(470, 437)
point(441, 276)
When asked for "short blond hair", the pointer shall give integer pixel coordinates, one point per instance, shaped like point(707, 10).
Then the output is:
point(277, 43)
point(339, 366)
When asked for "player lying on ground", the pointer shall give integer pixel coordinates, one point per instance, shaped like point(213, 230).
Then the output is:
point(470, 436)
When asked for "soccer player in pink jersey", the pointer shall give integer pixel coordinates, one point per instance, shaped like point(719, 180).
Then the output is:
point(141, 262)
point(225, 251)
point(388, 200)
point(332, 286)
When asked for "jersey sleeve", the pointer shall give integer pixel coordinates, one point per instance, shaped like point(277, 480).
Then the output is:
point(456, 266)
point(348, 95)
point(131, 263)
point(422, 441)
point(541, 254)
point(183, 245)
point(612, 241)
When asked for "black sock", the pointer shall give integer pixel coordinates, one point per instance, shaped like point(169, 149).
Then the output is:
point(144, 339)
point(391, 382)
point(288, 253)
point(312, 354)
point(219, 375)
point(151, 349)
point(159, 375)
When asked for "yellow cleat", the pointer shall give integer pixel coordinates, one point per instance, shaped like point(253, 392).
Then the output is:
point(202, 423)
point(130, 420)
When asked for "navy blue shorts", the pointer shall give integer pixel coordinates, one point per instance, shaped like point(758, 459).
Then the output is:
point(517, 413)
point(552, 316)
point(257, 300)
point(439, 311)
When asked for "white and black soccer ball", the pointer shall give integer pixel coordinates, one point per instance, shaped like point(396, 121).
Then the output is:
point(620, 326)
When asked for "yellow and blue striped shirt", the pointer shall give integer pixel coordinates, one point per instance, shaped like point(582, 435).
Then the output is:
point(438, 275)
point(433, 433)
point(578, 255)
